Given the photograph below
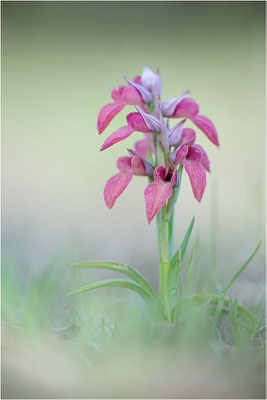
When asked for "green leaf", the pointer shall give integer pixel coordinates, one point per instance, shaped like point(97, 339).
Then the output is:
point(182, 248)
point(123, 268)
point(126, 283)
point(241, 269)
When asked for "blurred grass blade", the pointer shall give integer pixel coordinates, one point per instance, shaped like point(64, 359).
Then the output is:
point(123, 268)
point(113, 283)
point(241, 269)
point(219, 307)
point(188, 286)
point(182, 248)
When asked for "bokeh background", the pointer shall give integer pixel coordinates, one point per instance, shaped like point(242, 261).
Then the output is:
point(60, 61)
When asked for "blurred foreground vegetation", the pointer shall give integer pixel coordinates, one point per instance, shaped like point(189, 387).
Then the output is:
point(108, 344)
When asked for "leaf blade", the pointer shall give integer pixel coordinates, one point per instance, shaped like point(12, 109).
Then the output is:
point(123, 268)
point(110, 283)
point(183, 247)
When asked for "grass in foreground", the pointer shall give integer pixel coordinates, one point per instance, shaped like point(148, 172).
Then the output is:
point(109, 344)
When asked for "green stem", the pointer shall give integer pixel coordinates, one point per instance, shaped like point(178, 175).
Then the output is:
point(170, 234)
point(164, 261)
point(170, 209)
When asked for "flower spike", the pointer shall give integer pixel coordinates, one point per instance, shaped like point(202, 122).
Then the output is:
point(150, 154)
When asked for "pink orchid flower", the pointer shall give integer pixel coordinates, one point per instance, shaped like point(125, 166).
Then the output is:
point(137, 93)
point(158, 192)
point(185, 107)
point(195, 161)
point(127, 166)
point(137, 121)
point(177, 145)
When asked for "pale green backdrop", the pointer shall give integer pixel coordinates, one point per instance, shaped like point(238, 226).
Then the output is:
point(59, 62)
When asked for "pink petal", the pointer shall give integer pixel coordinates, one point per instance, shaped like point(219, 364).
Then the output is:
point(129, 116)
point(131, 95)
point(107, 113)
point(146, 95)
point(180, 154)
point(138, 166)
point(187, 108)
point(144, 108)
point(117, 136)
point(188, 136)
point(149, 169)
point(194, 154)
point(124, 164)
point(206, 126)
point(197, 176)
point(152, 123)
point(204, 158)
point(142, 146)
point(174, 178)
point(151, 81)
point(137, 79)
point(136, 122)
point(164, 137)
point(168, 107)
point(157, 193)
point(116, 93)
point(115, 186)
point(175, 133)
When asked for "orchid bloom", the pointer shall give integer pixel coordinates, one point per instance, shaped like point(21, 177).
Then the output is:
point(158, 192)
point(194, 159)
point(185, 107)
point(127, 166)
point(137, 121)
point(137, 92)
point(162, 149)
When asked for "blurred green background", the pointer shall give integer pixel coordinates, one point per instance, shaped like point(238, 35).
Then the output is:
point(59, 62)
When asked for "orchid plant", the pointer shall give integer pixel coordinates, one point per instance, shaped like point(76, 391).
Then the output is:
point(161, 156)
